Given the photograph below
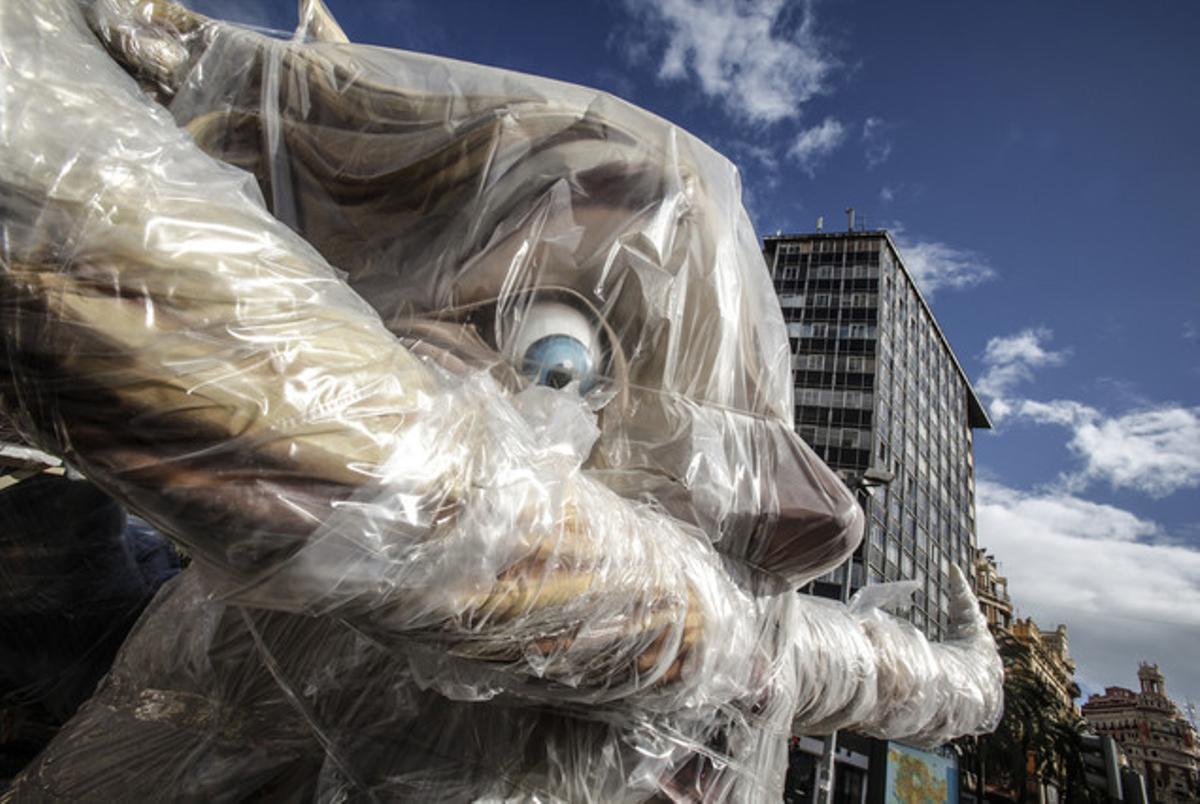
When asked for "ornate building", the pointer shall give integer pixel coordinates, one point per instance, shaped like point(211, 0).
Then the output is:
point(992, 590)
point(1158, 740)
point(1049, 658)
point(1044, 656)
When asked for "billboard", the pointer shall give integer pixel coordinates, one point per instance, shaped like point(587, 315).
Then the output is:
point(920, 777)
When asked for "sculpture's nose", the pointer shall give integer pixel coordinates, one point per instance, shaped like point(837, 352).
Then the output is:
point(749, 482)
point(806, 522)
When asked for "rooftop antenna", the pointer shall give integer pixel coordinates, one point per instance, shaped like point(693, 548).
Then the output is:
point(850, 214)
point(820, 222)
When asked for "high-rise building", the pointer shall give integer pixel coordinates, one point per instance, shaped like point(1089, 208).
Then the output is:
point(1158, 740)
point(882, 398)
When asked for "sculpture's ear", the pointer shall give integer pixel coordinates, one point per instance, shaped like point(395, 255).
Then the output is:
point(317, 24)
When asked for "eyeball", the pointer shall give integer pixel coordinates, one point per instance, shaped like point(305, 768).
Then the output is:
point(557, 345)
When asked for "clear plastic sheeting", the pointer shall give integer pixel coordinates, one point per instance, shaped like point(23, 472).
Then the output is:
point(469, 395)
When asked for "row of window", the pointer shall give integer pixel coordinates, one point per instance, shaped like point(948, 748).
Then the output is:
point(824, 330)
point(835, 417)
point(833, 243)
point(830, 315)
point(830, 379)
point(843, 458)
point(836, 436)
point(834, 398)
point(831, 285)
point(829, 300)
point(824, 362)
point(790, 270)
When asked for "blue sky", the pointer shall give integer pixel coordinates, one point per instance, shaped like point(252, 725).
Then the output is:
point(1039, 163)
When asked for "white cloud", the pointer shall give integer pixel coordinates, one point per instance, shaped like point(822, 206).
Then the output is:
point(1154, 450)
point(739, 54)
point(1024, 347)
point(1010, 360)
point(878, 146)
point(887, 194)
point(936, 265)
point(1124, 590)
point(815, 144)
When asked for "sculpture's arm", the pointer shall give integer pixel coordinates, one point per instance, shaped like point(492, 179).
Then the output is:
point(862, 669)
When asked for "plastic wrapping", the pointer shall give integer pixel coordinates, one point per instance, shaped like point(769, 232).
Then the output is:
point(468, 393)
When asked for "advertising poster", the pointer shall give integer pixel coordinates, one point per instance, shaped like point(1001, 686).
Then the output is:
point(920, 777)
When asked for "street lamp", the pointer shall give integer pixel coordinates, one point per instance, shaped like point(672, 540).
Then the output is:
point(864, 482)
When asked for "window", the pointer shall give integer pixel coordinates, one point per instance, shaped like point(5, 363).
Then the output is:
point(876, 534)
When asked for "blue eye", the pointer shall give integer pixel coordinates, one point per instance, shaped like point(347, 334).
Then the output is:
point(555, 344)
point(558, 360)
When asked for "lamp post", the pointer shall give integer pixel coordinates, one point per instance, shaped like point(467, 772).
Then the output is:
point(863, 485)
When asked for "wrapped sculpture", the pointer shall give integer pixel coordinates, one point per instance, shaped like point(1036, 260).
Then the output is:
point(470, 397)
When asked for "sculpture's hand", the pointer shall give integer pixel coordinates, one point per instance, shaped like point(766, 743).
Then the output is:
point(862, 669)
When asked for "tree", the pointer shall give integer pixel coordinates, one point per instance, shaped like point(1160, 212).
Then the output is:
point(1038, 738)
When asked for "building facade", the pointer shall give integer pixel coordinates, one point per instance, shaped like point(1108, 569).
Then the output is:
point(992, 590)
point(881, 397)
point(1157, 739)
point(1049, 659)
